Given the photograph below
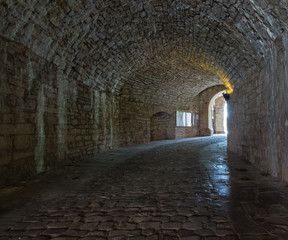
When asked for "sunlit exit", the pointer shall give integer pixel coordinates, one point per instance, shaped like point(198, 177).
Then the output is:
point(225, 118)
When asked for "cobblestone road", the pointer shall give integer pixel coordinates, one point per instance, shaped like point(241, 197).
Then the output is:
point(179, 189)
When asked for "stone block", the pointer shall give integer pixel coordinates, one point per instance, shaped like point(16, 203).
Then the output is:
point(22, 142)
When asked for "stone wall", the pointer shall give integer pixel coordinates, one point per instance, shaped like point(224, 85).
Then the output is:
point(258, 113)
point(66, 61)
point(219, 115)
point(200, 105)
point(135, 121)
point(47, 119)
point(162, 126)
point(186, 132)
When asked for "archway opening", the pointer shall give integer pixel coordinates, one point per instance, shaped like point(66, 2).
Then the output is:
point(218, 114)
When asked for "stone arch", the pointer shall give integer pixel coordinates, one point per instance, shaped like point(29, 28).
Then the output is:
point(203, 99)
point(162, 126)
point(212, 101)
point(147, 53)
point(220, 123)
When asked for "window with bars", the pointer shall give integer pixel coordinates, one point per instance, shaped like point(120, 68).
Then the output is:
point(183, 119)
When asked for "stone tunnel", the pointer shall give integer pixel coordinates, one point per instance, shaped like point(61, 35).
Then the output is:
point(82, 78)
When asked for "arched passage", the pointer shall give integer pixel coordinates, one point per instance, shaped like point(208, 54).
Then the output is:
point(200, 105)
point(80, 76)
point(215, 127)
point(219, 115)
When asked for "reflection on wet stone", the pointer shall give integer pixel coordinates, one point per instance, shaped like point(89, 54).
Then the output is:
point(179, 189)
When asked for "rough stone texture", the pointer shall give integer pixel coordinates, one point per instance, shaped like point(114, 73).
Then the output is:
point(154, 53)
point(128, 46)
point(172, 81)
point(186, 132)
point(200, 105)
point(135, 121)
point(162, 126)
point(219, 115)
point(46, 119)
point(173, 189)
point(258, 114)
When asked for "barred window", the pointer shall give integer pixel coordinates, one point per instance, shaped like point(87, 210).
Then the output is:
point(183, 119)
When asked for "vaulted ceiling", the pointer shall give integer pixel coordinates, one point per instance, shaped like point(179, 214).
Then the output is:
point(156, 51)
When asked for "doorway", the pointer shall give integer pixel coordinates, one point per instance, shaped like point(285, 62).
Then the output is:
point(218, 114)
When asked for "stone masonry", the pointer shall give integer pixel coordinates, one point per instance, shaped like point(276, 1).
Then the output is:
point(219, 115)
point(81, 77)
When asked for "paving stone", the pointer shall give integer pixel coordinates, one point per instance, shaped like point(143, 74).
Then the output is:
point(96, 233)
point(54, 225)
point(226, 225)
point(31, 233)
point(153, 225)
point(138, 219)
point(178, 218)
point(106, 226)
point(213, 238)
point(204, 232)
point(211, 225)
point(24, 238)
point(161, 219)
point(87, 226)
point(121, 233)
point(148, 232)
point(224, 232)
point(68, 238)
point(98, 219)
point(76, 233)
point(192, 225)
point(219, 219)
point(54, 232)
point(42, 238)
point(121, 219)
point(154, 237)
point(186, 233)
point(171, 225)
point(192, 237)
point(137, 237)
point(198, 218)
point(168, 237)
point(126, 226)
point(93, 238)
point(118, 238)
point(164, 215)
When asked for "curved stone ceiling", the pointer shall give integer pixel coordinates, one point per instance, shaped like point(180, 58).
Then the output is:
point(168, 80)
point(163, 52)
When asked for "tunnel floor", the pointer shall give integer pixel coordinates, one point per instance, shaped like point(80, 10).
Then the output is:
point(176, 189)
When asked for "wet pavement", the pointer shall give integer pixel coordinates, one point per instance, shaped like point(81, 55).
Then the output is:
point(175, 189)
